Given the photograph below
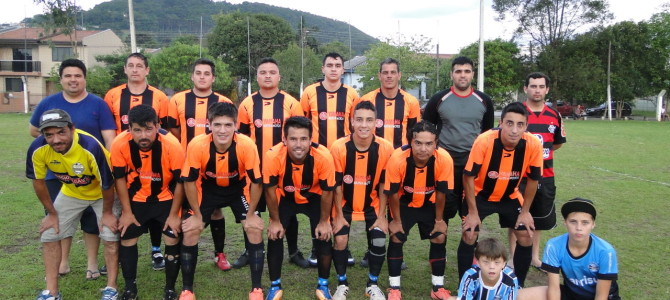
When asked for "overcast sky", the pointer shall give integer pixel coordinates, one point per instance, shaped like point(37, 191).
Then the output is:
point(454, 24)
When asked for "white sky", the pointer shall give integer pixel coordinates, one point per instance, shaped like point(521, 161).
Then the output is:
point(455, 24)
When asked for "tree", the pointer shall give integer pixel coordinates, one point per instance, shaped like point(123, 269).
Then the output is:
point(228, 39)
point(61, 19)
point(114, 63)
point(337, 47)
point(502, 68)
point(172, 68)
point(289, 68)
point(415, 65)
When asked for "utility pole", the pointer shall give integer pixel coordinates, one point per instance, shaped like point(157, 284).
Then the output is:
point(200, 36)
point(131, 18)
point(609, 87)
point(480, 74)
point(248, 58)
point(302, 56)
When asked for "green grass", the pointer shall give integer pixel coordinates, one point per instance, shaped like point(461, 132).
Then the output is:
point(624, 166)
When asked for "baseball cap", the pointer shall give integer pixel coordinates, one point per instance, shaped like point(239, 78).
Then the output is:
point(55, 118)
point(578, 205)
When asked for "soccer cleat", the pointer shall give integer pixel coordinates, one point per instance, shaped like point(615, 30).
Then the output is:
point(109, 293)
point(275, 293)
point(129, 295)
point(256, 294)
point(299, 260)
point(440, 294)
point(187, 295)
point(170, 295)
point(350, 260)
point(323, 293)
point(374, 292)
point(364, 261)
point(222, 262)
point(157, 261)
point(242, 261)
point(312, 258)
point(341, 292)
point(394, 294)
point(46, 295)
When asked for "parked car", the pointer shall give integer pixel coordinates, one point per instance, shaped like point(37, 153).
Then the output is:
point(601, 110)
point(565, 108)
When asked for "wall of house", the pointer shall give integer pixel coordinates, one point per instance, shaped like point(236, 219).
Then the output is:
point(106, 42)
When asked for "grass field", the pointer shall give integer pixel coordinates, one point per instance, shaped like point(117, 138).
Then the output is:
point(624, 166)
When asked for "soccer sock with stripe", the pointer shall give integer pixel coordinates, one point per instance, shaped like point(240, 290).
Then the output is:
point(394, 258)
point(437, 258)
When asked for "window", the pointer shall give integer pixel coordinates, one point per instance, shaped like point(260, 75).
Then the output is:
point(13, 84)
point(22, 54)
point(22, 60)
point(61, 53)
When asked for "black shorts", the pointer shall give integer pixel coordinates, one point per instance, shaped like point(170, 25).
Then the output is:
point(237, 203)
point(507, 209)
point(370, 218)
point(423, 216)
point(567, 294)
point(543, 208)
point(146, 212)
point(289, 209)
point(455, 200)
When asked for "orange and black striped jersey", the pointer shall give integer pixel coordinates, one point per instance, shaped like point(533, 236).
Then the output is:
point(498, 171)
point(299, 182)
point(396, 116)
point(417, 186)
point(329, 111)
point(148, 173)
point(120, 100)
point(189, 112)
point(263, 118)
point(224, 173)
point(360, 172)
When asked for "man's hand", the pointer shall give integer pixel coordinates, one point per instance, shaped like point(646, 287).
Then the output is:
point(323, 231)
point(440, 227)
point(253, 221)
point(125, 221)
point(275, 230)
point(173, 222)
point(470, 223)
point(338, 223)
point(382, 224)
point(192, 223)
point(110, 221)
point(50, 221)
point(525, 219)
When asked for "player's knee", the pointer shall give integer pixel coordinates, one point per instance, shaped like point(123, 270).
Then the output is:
point(341, 242)
point(439, 239)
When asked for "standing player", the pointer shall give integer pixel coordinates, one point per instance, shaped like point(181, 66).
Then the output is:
point(397, 110)
point(418, 178)
point(81, 163)
point(126, 96)
point(546, 124)
point(146, 161)
point(187, 118)
point(299, 177)
point(91, 115)
point(461, 113)
point(215, 173)
point(360, 160)
point(499, 159)
point(261, 116)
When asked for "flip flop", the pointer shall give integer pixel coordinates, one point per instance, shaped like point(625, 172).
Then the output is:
point(92, 275)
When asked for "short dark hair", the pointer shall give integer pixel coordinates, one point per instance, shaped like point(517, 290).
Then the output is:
point(72, 62)
point(421, 127)
point(205, 61)
point(298, 122)
point(389, 61)
point(537, 75)
point(514, 107)
point(462, 60)
point(140, 56)
point(333, 55)
point(266, 60)
point(491, 248)
point(142, 114)
point(365, 105)
point(222, 109)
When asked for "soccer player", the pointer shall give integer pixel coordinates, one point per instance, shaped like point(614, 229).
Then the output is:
point(499, 159)
point(397, 110)
point(299, 177)
point(418, 177)
point(215, 173)
point(126, 96)
point(91, 115)
point(187, 118)
point(146, 160)
point(82, 164)
point(546, 124)
point(461, 113)
point(587, 262)
point(360, 160)
point(261, 116)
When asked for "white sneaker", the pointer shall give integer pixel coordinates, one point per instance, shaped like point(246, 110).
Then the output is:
point(341, 293)
point(374, 292)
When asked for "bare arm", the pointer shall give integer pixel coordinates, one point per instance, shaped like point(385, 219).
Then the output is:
point(34, 131)
point(556, 147)
point(176, 132)
point(108, 137)
point(326, 206)
point(554, 288)
point(42, 193)
point(603, 289)
point(191, 194)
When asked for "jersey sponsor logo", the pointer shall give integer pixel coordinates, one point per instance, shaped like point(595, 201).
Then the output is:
point(357, 180)
point(54, 162)
point(291, 189)
point(153, 176)
point(222, 175)
point(78, 168)
point(492, 174)
point(379, 123)
point(332, 115)
point(124, 119)
point(268, 123)
point(424, 190)
point(200, 122)
point(584, 281)
point(77, 181)
point(513, 175)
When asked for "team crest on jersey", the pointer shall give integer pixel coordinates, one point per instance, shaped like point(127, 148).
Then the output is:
point(380, 123)
point(593, 267)
point(492, 174)
point(323, 116)
point(348, 179)
point(551, 128)
point(78, 168)
point(408, 189)
point(258, 123)
point(289, 188)
point(190, 122)
point(124, 119)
